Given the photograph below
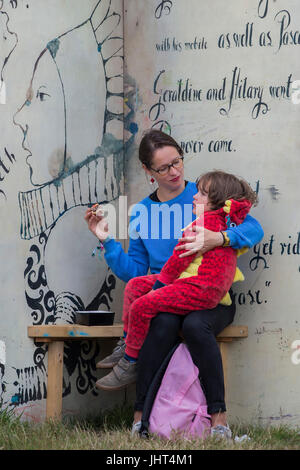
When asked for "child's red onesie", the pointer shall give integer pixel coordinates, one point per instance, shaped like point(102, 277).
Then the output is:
point(183, 295)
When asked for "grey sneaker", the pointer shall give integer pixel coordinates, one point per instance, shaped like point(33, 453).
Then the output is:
point(110, 361)
point(137, 430)
point(136, 427)
point(123, 374)
point(221, 432)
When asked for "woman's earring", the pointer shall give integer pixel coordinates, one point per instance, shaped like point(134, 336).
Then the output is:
point(152, 180)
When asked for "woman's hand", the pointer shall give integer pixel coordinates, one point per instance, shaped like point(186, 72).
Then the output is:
point(203, 240)
point(97, 224)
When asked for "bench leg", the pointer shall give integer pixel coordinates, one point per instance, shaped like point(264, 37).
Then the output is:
point(55, 380)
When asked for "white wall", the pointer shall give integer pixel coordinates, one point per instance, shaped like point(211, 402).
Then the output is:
point(75, 132)
point(226, 46)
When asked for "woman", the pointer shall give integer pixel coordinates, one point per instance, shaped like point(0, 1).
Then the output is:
point(162, 160)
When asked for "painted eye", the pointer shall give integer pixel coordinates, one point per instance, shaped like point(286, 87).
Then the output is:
point(42, 96)
point(232, 224)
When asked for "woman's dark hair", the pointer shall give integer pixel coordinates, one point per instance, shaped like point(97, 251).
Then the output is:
point(153, 140)
point(220, 186)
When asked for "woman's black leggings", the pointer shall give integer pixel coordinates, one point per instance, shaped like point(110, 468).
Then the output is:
point(199, 330)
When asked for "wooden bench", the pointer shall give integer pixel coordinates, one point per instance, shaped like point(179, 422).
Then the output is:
point(55, 335)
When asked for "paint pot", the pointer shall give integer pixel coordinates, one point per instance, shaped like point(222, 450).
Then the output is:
point(94, 317)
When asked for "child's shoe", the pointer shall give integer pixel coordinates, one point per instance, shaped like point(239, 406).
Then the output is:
point(123, 374)
point(110, 361)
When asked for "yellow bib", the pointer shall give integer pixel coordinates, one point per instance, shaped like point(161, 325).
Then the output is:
point(192, 270)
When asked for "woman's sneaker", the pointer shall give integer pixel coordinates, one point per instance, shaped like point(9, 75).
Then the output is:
point(221, 432)
point(136, 427)
point(110, 361)
point(138, 430)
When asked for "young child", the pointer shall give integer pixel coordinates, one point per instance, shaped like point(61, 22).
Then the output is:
point(189, 283)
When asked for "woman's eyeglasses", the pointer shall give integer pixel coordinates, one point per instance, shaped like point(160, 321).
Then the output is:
point(177, 163)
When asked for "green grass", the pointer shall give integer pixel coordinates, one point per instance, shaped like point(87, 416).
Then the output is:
point(111, 431)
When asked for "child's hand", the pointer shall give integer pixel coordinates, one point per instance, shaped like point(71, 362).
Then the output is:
point(203, 241)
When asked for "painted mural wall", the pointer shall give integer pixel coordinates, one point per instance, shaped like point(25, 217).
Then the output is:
point(223, 79)
point(61, 149)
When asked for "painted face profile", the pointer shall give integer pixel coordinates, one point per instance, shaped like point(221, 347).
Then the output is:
point(62, 117)
point(42, 116)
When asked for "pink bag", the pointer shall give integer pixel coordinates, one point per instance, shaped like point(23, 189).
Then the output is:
point(180, 404)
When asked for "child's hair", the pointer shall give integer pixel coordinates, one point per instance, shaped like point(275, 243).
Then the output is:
point(220, 186)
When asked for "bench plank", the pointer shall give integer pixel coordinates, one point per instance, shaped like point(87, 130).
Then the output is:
point(234, 331)
point(69, 332)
